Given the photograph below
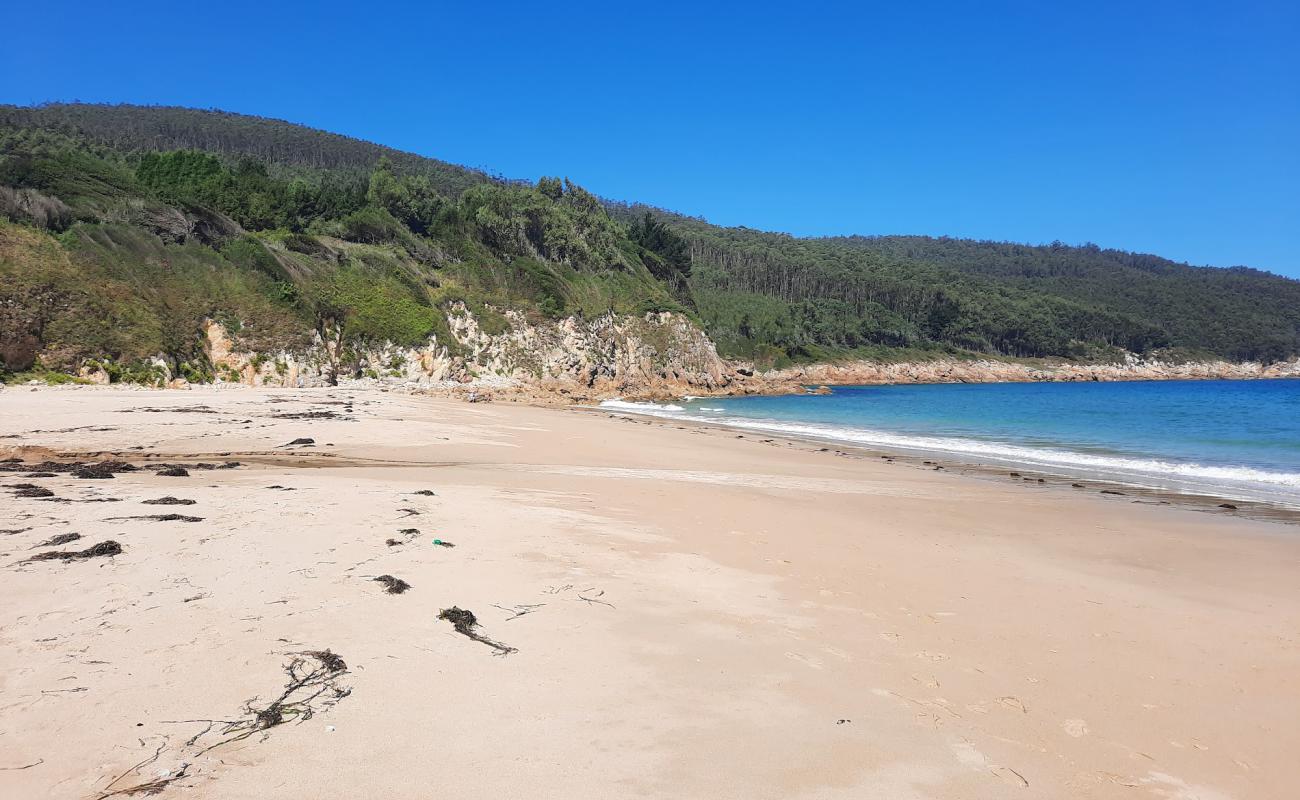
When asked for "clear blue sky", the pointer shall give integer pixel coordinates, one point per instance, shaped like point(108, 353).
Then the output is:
point(1165, 127)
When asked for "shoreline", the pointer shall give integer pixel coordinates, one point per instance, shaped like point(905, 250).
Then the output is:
point(669, 611)
point(1037, 475)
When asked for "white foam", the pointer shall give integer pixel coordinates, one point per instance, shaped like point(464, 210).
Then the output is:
point(623, 405)
point(1141, 471)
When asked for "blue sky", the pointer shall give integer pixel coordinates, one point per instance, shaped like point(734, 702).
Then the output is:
point(1162, 127)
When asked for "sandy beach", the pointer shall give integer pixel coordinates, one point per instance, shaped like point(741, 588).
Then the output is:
point(662, 611)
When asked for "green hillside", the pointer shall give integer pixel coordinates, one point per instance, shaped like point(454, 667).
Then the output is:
point(127, 226)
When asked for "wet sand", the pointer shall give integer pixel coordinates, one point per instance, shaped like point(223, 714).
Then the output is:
point(678, 613)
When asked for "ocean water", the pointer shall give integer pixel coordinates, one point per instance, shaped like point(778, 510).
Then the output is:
point(1234, 439)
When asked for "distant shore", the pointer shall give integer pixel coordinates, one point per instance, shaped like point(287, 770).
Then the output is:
point(947, 370)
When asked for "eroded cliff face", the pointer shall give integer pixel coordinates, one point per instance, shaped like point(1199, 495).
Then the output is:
point(657, 355)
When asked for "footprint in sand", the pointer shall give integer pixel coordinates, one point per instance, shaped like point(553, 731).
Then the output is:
point(1075, 727)
point(812, 662)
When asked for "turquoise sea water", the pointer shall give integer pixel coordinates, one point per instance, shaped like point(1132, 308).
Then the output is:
point(1236, 439)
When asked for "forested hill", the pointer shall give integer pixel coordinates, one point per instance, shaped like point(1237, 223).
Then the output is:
point(285, 147)
point(776, 296)
point(145, 220)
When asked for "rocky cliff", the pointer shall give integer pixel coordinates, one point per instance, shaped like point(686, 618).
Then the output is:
point(653, 357)
point(656, 355)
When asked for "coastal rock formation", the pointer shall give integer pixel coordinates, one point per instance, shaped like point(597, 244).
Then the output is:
point(656, 355)
point(955, 371)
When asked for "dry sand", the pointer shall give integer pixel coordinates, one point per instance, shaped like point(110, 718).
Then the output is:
point(695, 616)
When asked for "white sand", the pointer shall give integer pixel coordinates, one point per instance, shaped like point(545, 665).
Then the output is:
point(706, 616)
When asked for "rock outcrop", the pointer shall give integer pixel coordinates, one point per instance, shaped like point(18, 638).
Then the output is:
point(955, 371)
point(657, 355)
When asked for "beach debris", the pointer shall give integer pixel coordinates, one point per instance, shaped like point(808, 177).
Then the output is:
point(33, 491)
point(408, 512)
point(1228, 506)
point(426, 493)
point(168, 501)
point(158, 518)
point(309, 415)
point(1015, 474)
point(465, 623)
point(105, 548)
point(393, 543)
point(55, 541)
point(393, 585)
point(312, 687)
point(172, 471)
point(304, 442)
point(443, 543)
point(102, 470)
point(594, 599)
point(155, 786)
point(520, 610)
point(177, 410)
point(1110, 491)
point(12, 531)
point(1077, 485)
point(35, 763)
point(843, 721)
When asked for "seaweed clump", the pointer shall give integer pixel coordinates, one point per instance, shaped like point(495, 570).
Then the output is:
point(393, 585)
point(103, 549)
point(168, 501)
point(466, 624)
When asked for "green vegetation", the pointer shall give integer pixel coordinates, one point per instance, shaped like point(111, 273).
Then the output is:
point(778, 298)
point(123, 228)
point(117, 248)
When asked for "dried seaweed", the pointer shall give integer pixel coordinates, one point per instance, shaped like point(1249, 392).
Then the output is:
point(168, 501)
point(102, 470)
point(105, 548)
point(157, 518)
point(466, 624)
point(55, 541)
point(394, 585)
point(313, 686)
point(34, 491)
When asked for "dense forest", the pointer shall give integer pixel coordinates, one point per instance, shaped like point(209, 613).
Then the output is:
point(128, 225)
